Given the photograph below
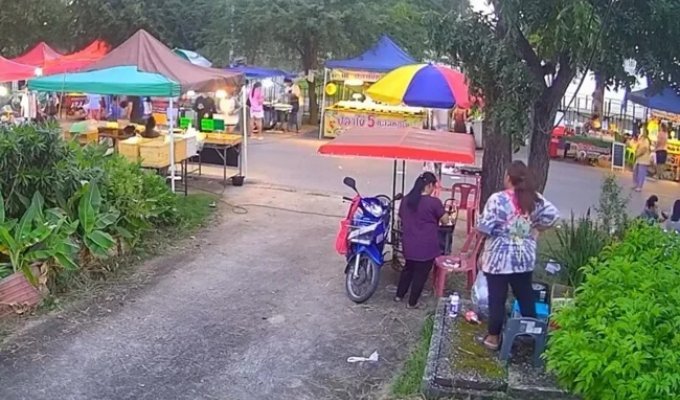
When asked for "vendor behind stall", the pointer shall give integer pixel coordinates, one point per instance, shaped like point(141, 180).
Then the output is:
point(150, 131)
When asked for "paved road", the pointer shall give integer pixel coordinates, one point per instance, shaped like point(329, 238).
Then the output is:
point(254, 308)
point(292, 161)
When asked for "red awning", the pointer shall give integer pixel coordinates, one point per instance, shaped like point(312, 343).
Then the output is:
point(38, 55)
point(11, 71)
point(79, 60)
point(403, 144)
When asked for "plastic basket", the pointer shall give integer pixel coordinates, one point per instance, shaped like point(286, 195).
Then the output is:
point(208, 125)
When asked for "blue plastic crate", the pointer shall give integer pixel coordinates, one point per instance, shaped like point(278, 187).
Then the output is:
point(542, 310)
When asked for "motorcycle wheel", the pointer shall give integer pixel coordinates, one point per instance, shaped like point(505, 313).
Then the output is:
point(362, 287)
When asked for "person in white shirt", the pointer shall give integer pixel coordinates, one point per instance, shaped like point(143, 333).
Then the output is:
point(228, 108)
point(294, 89)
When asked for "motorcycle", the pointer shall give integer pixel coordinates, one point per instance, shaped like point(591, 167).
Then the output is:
point(361, 239)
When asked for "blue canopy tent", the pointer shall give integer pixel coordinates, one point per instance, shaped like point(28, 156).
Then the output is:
point(382, 57)
point(666, 100)
point(254, 72)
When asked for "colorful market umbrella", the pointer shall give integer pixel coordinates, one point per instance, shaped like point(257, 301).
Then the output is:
point(422, 85)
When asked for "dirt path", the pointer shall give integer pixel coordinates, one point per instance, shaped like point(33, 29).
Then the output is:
point(256, 311)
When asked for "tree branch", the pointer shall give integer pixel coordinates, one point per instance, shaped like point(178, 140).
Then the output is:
point(528, 54)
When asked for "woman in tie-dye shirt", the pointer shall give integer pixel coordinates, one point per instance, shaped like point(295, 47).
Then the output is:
point(511, 221)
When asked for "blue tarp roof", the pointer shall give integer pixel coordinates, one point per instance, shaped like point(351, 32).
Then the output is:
point(253, 72)
point(667, 100)
point(384, 56)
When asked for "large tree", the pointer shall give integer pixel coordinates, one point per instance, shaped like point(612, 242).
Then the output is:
point(553, 41)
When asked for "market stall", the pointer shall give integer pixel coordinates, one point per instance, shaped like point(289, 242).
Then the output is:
point(272, 85)
point(664, 107)
point(401, 145)
point(143, 66)
point(354, 73)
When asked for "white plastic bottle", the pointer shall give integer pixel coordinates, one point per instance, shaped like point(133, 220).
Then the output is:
point(454, 305)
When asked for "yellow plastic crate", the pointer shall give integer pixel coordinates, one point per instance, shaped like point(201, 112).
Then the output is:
point(156, 152)
point(129, 148)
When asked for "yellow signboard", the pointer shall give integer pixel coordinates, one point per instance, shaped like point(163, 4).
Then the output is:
point(341, 75)
point(337, 121)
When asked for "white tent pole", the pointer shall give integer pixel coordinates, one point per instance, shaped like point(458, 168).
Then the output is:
point(322, 106)
point(171, 126)
point(243, 165)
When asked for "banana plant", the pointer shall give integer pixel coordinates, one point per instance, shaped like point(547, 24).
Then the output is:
point(39, 237)
point(94, 221)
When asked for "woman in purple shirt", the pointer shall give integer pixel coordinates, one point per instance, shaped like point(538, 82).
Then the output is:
point(420, 215)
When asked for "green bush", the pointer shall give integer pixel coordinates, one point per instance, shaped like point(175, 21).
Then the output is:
point(34, 158)
point(575, 243)
point(620, 338)
point(612, 209)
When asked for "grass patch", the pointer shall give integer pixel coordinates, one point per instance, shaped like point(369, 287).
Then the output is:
point(195, 209)
point(471, 357)
point(409, 380)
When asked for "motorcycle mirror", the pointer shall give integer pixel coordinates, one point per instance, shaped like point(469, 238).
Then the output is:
point(398, 196)
point(350, 183)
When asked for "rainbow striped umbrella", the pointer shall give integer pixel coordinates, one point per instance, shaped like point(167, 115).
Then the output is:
point(422, 85)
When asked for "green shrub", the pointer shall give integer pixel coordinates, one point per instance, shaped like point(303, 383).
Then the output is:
point(612, 209)
point(34, 158)
point(619, 339)
point(40, 237)
point(142, 198)
point(574, 244)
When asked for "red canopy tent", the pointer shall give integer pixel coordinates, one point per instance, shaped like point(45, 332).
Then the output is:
point(79, 60)
point(12, 71)
point(38, 55)
point(403, 144)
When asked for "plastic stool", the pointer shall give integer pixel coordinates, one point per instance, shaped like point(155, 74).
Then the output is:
point(532, 327)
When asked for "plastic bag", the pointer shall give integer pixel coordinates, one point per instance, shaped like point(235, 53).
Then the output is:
point(480, 295)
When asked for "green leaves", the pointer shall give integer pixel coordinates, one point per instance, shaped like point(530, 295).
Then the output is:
point(93, 221)
point(619, 340)
point(578, 241)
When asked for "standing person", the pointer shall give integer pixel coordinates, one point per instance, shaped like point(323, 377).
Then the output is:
point(661, 153)
point(459, 117)
point(94, 106)
point(256, 98)
point(228, 108)
point(643, 157)
point(293, 117)
point(147, 107)
point(420, 215)
point(511, 221)
point(293, 89)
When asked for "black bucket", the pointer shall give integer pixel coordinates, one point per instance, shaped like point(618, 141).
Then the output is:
point(238, 180)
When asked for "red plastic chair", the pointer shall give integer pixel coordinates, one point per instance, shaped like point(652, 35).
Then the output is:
point(467, 196)
point(465, 262)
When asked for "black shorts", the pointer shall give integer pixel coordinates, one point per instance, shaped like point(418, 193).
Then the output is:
point(661, 157)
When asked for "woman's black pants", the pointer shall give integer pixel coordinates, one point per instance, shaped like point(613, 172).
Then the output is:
point(414, 275)
point(498, 295)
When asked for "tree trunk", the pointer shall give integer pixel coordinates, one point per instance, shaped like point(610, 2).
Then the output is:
point(598, 95)
point(309, 63)
point(539, 158)
point(497, 157)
